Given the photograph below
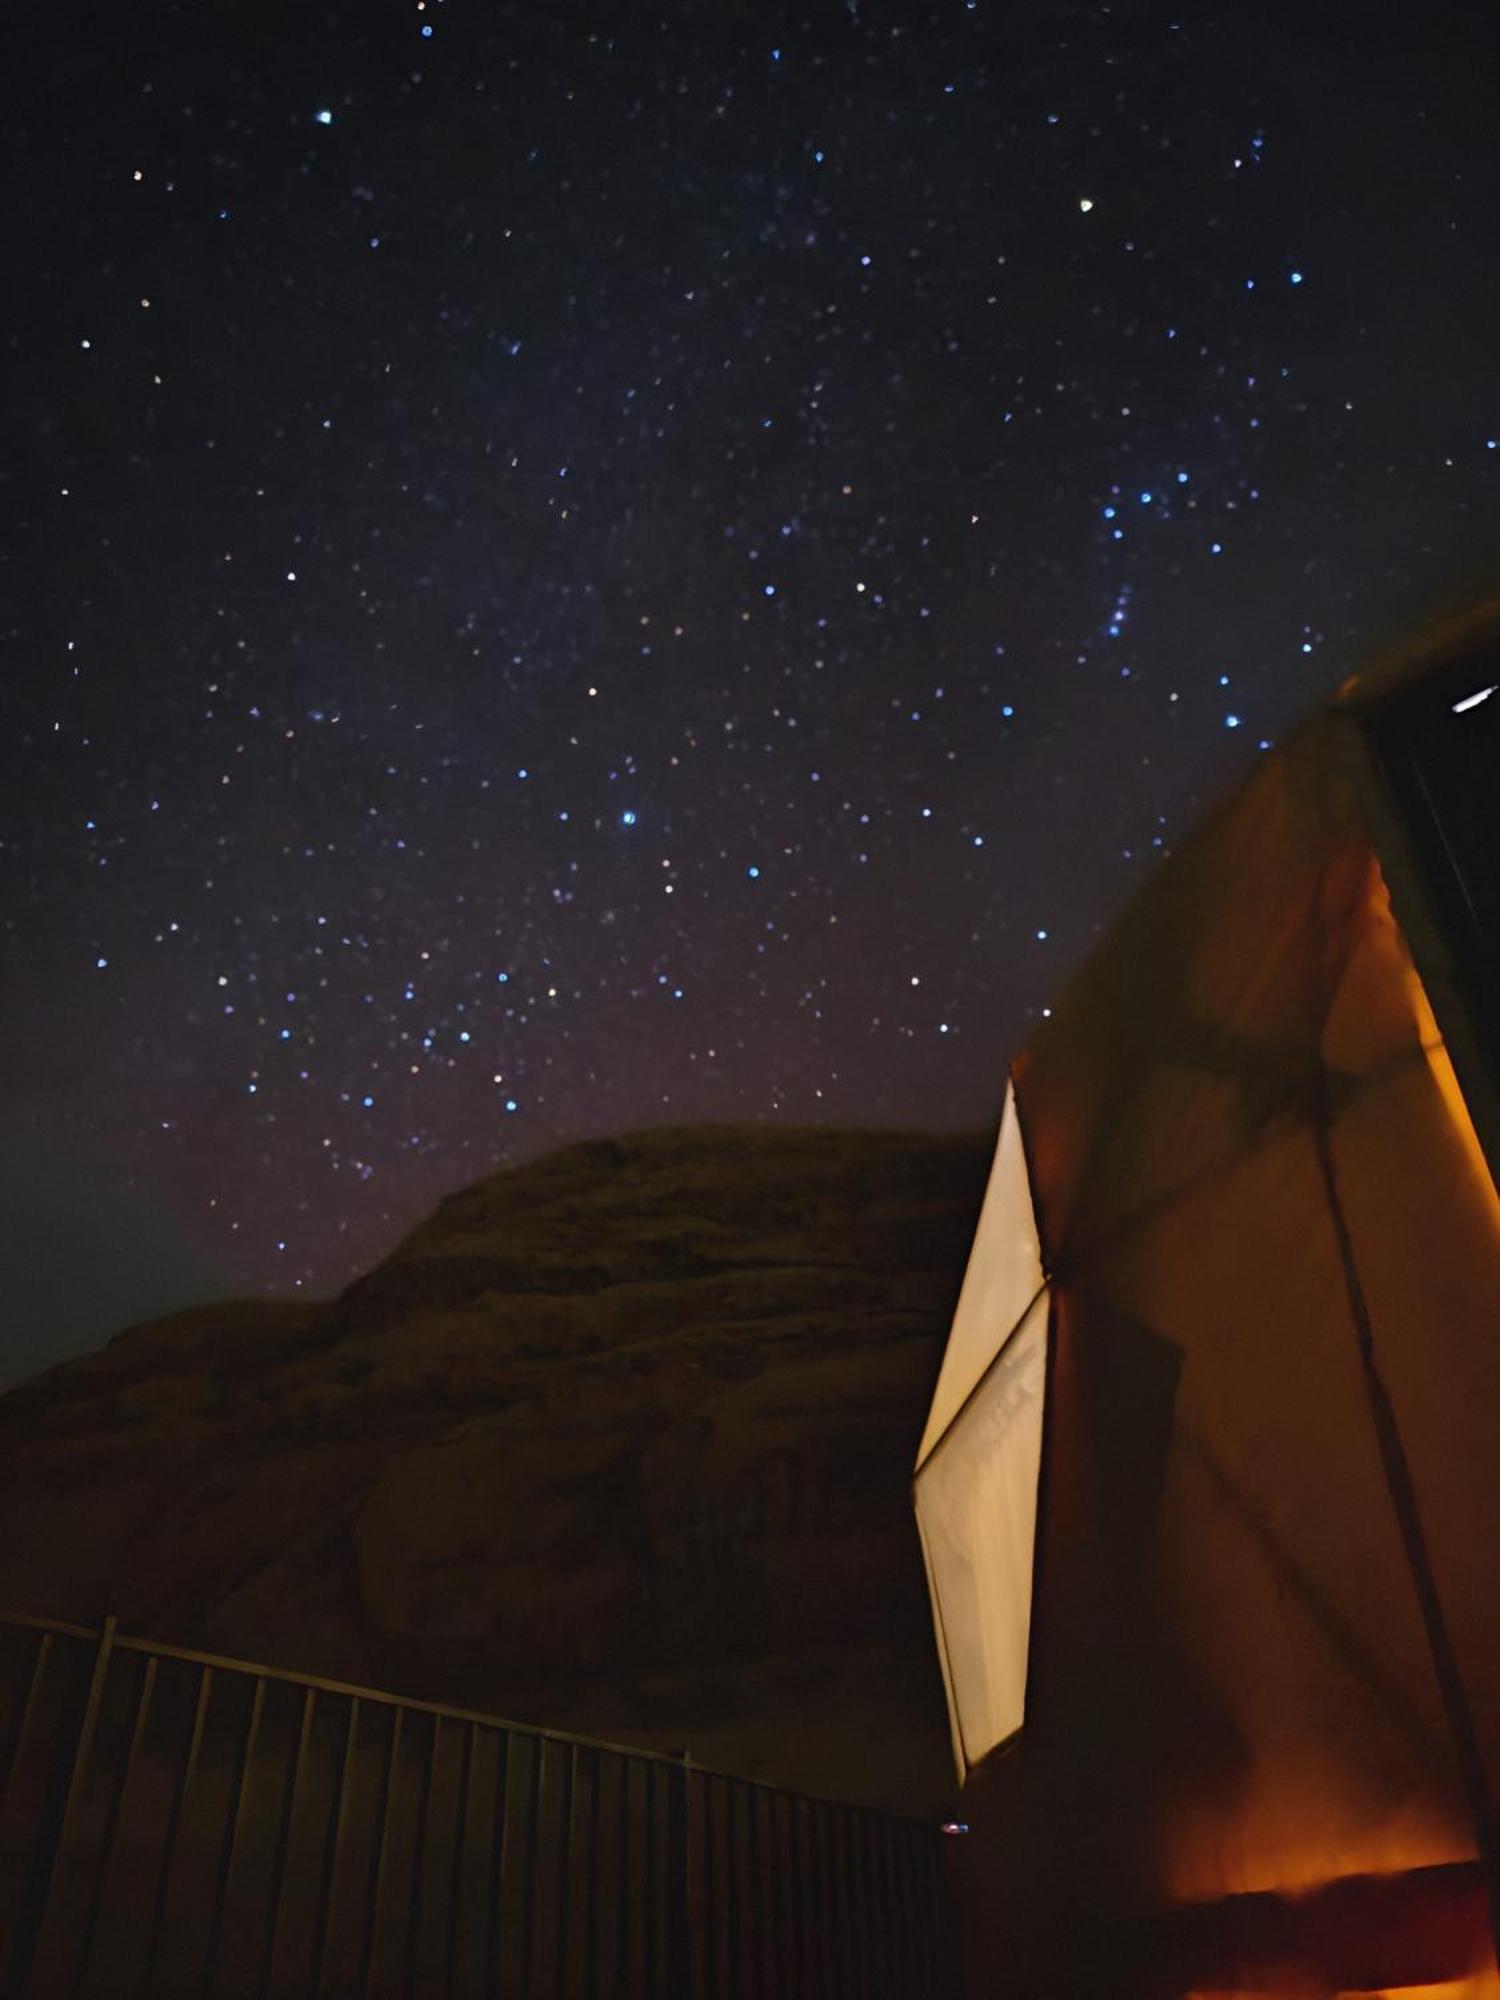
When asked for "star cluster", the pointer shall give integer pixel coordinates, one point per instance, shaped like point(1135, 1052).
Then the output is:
point(569, 570)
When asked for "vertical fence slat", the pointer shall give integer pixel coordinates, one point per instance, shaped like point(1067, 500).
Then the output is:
point(741, 1889)
point(456, 1872)
point(730, 1852)
point(764, 1978)
point(859, 1888)
point(283, 1836)
point(721, 1876)
point(944, 1956)
point(528, 1898)
point(494, 1936)
point(111, 1826)
point(701, 1924)
point(83, 1745)
point(768, 1889)
point(656, 1859)
point(859, 1894)
point(591, 1897)
point(891, 1897)
point(783, 1911)
point(876, 1914)
point(827, 1901)
point(892, 1970)
point(922, 1898)
point(910, 1916)
point(921, 1911)
point(742, 1877)
point(230, 1847)
point(624, 1850)
point(419, 1857)
point(28, 1713)
point(333, 1849)
point(833, 1898)
point(807, 1900)
point(567, 1850)
point(936, 1875)
point(380, 1857)
point(681, 1908)
point(181, 1793)
point(844, 1920)
point(804, 1879)
point(823, 1849)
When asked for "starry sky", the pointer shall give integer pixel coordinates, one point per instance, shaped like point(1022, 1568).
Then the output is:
point(574, 567)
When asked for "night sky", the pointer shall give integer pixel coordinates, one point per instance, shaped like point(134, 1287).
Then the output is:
point(569, 567)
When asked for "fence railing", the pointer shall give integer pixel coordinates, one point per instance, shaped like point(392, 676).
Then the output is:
point(172, 1823)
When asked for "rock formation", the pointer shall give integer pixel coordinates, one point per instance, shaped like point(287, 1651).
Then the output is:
point(618, 1441)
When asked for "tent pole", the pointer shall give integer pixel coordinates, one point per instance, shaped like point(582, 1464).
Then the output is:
point(1402, 1489)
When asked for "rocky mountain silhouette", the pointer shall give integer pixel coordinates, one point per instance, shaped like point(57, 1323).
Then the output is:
point(617, 1441)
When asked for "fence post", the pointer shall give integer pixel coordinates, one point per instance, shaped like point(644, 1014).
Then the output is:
point(681, 1908)
point(83, 1744)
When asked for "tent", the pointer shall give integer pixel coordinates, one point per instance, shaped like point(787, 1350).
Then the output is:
point(1209, 1496)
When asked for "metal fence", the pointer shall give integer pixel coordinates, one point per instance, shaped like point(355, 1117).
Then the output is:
point(173, 1823)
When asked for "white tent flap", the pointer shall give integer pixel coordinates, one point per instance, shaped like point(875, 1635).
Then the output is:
point(976, 1508)
point(1004, 1275)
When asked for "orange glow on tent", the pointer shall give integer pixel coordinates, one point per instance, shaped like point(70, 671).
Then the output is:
point(1262, 1644)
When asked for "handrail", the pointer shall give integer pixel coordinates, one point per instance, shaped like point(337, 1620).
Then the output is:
point(31, 1624)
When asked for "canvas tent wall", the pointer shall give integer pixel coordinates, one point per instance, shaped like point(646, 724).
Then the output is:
point(1210, 1497)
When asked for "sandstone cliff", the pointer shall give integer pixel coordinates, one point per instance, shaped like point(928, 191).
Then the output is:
point(618, 1441)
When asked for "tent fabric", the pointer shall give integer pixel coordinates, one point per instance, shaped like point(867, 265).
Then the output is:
point(979, 1460)
point(1273, 1240)
point(1004, 1275)
point(1261, 991)
point(976, 1511)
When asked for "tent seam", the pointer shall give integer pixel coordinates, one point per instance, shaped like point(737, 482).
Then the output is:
point(1401, 1487)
